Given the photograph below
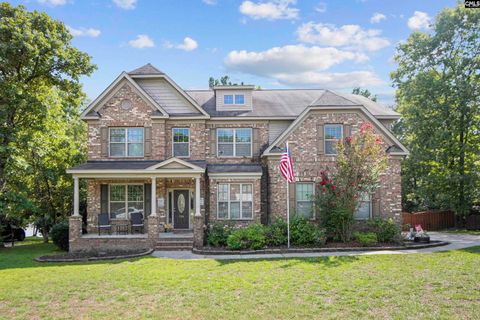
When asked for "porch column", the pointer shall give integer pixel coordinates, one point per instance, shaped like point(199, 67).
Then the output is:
point(197, 197)
point(76, 202)
point(154, 196)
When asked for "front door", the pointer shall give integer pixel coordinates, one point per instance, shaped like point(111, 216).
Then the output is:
point(181, 205)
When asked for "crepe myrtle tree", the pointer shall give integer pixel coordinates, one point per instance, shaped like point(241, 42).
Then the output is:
point(361, 159)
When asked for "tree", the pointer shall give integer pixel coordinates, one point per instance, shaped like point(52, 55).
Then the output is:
point(223, 81)
point(365, 93)
point(361, 159)
point(39, 104)
point(438, 95)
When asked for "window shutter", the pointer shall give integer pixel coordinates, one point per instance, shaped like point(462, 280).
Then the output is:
point(292, 198)
point(213, 142)
point(347, 130)
point(376, 204)
point(320, 142)
point(256, 142)
point(147, 200)
point(148, 141)
point(104, 141)
point(104, 198)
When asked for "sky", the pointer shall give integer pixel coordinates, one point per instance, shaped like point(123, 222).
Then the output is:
point(335, 45)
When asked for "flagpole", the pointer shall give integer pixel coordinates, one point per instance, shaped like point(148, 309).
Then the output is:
point(288, 211)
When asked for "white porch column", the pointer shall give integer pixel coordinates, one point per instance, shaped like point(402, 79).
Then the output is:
point(76, 202)
point(154, 196)
point(197, 197)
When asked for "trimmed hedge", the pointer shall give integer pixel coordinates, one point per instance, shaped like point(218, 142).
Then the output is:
point(59, 234)
point(366, 239)
point(305, 233)
point(251, 237)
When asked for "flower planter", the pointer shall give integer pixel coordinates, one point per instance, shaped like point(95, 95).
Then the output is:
point(422, 239)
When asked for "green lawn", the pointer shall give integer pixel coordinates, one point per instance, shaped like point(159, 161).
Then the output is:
point(424, 286)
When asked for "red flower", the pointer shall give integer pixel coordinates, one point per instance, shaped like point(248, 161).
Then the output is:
point(355, 196)
point(323, 182)
point(366, 126)
point(348, 139)
point(334, 187)
point(378, 140)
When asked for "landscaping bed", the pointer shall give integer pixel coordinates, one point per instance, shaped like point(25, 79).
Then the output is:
point(329, 247)
point(73, 257)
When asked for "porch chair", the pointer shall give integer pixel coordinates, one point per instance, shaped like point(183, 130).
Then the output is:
point(136, 221)
point(104, 223)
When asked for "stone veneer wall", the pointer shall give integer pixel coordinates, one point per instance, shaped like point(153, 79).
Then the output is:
point(308, 164)
point(257, 213)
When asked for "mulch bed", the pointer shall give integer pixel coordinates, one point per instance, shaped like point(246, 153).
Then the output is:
point(329, 247)
point(73, 257)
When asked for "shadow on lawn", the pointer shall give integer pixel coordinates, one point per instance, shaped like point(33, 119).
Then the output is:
point(328, 261)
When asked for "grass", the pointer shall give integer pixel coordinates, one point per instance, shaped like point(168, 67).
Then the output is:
point(427, 286)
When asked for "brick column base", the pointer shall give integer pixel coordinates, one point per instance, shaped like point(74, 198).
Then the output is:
point(153, 230)
point(198, 232)
point(74, 230)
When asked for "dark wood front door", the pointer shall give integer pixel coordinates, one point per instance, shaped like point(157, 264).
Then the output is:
point(181, 205)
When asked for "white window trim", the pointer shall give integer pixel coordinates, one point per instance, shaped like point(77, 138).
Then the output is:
point(173, 143)
point(241, 202)
point(126, 199)
point(313, 197)
point(235, 98)
point(235, 143)
point(369, 210)
point(325, 139)
point(125, 143)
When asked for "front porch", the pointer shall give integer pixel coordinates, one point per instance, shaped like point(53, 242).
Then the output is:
point(131, 208)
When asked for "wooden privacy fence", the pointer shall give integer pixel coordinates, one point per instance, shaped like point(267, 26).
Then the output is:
point(430, 220)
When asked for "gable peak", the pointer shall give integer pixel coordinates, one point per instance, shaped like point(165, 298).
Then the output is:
point(146, 69)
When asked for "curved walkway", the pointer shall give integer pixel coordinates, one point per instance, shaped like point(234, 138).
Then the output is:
point(457, 241)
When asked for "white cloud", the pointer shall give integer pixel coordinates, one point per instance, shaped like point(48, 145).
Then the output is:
point(289, 59)
point(142, 41)
point(126, 4)
point(210, 2)
point(321, 7)
point(53, 3)
point(188, 44)
point(348, 36)
point(377, 17)
point(335, 80)
point(84, 32)
point(270, 10)
point(419, 20)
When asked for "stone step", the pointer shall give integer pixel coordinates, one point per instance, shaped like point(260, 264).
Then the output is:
point(174, 248)
point(175, 239)
point(175, 244)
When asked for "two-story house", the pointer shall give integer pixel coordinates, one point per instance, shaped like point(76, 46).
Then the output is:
point(188, 158)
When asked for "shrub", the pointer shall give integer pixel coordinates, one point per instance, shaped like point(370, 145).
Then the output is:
point(218, 234)
point(366, 239)
point(386, 230)
point(305, 233)
point(251, 237)
point(276, 233)
point(59, 234)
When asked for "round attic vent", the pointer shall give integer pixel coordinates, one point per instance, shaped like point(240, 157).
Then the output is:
point(126, 104)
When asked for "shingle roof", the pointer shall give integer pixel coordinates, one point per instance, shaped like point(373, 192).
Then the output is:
point(231, 168)
point(289, 102)
point(125, 165)
point(146, 69)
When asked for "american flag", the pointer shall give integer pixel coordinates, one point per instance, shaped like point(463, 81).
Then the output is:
point(286, 165)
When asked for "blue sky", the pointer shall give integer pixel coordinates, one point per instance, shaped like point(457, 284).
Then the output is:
point(272, 43)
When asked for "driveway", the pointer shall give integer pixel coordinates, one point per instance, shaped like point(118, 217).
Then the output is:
point(457, 241)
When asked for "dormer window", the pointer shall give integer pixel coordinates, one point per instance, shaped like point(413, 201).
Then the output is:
point(239, 99)
point(228, 99)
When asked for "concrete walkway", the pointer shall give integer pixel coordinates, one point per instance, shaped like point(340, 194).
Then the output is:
point(457, 241)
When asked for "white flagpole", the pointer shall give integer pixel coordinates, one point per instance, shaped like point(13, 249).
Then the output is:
point(288, 209)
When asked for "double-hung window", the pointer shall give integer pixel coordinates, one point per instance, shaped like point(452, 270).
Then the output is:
point(235, 201)
point(333, 133)
point(126, 142)
point(125, 199)
point(234, 142)
point(364, 208)
point(181, 142)
point(304, 197)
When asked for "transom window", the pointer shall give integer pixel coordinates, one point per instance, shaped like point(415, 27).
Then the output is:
point(234, 142)
point(181, 142)
point(235, 201)
point(126, 142)
point(304, 197)
point(333, 133)
point(125, 199)
point(364, 208)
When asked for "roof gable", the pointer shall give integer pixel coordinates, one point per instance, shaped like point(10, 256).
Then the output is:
point(95, 105)
point(146, 69)
point(176, 163)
